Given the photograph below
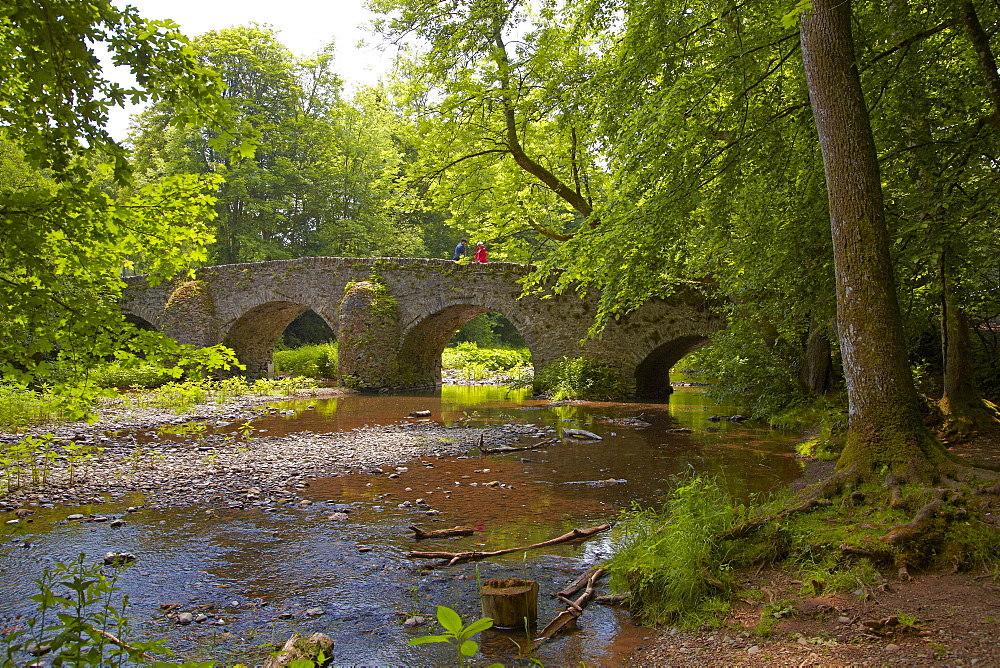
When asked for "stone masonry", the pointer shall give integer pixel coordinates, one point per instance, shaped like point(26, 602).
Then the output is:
point(394, 316)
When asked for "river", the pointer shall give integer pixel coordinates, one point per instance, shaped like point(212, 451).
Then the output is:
point(261, 571)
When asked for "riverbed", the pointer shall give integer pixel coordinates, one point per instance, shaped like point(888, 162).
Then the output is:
point(329, 553)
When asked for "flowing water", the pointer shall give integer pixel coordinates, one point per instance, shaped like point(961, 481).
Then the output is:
point(262, 571)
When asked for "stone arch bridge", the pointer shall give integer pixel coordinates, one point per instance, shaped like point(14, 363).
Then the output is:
point(391, 332)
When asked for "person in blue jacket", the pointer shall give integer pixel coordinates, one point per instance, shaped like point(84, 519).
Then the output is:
point(460, 250)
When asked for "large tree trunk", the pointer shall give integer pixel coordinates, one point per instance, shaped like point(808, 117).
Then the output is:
point(885, 428)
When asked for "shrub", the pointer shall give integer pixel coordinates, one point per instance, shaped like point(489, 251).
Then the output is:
point(314, 361)
point(469, 355)
point(118, 375)
point(670, 560)
point(580, 378)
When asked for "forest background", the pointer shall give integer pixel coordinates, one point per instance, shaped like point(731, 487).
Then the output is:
point(620, 145)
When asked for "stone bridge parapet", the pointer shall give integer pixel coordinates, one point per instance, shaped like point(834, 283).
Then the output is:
point(398, 322)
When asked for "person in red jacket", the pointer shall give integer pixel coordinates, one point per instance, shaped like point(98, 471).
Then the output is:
point(480, 252)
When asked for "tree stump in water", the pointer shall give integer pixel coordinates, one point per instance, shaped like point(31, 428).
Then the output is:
point(510, 602)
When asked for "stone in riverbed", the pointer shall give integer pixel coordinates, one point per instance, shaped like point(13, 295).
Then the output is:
point(185, 618)
point(118, 558)
point(315, 612)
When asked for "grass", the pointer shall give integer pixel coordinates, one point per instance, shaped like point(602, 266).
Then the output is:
point(182, 396)
point(311, 361)
point(668, 558)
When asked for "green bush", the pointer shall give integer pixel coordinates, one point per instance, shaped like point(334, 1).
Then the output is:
point(469, 355)
point(580, 378)
point(669, 559)
point(121, 376)
point(314, 361)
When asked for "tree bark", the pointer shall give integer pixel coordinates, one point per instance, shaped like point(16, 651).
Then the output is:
point(885, 427)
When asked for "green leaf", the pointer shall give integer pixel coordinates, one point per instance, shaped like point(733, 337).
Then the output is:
point(449, 619)
point(475, 627)
point(469, 648)
point(423, 640)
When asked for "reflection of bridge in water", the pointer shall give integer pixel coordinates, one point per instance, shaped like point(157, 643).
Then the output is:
point(393, 337)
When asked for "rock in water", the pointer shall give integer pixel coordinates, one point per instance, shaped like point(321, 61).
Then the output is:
point(303, 649)
point(118, 558)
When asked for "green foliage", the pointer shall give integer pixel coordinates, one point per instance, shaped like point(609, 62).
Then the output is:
point(324, 179)
point(579, 378)
point(670, 559)
point(22, 407)
point(72, 218)
point(313, 361)
point(124, 376)
point(182, 396)
point(77, 614)
point(468, 354)
point(456, 634)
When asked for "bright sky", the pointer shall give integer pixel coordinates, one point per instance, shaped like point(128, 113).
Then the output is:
point(304, 26)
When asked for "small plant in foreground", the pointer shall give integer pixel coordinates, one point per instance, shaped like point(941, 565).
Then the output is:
point(456, 633)
point(78, 623)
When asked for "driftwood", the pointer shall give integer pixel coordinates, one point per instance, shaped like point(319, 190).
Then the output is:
point(574, 609)
point(117, 641)
point(475, 555)
point(577, 584)
point(615, 599)
point(505, 450)
point(420, 534)
point(581, 433)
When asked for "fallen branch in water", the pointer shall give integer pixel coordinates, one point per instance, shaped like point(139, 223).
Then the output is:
point(420, 534)
point(578, 583)
point(475, 555)
point(573, 609)
point(504, 450)
point(117, 641)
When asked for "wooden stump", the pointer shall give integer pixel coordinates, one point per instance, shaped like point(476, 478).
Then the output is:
point(510, 602)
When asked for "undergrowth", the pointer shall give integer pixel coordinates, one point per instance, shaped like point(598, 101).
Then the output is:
point(580, 378)
point(679, 562)
point(312, 361)
point(475, 362)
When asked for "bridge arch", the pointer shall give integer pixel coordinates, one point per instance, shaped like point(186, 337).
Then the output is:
point(256, 332)
point(652, 374)
point(424, 341)
point(139, 322)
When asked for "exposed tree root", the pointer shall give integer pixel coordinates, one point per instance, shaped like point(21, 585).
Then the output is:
point(809, 498)
point(917, 527)
point(874, 554)
point(453, 558)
